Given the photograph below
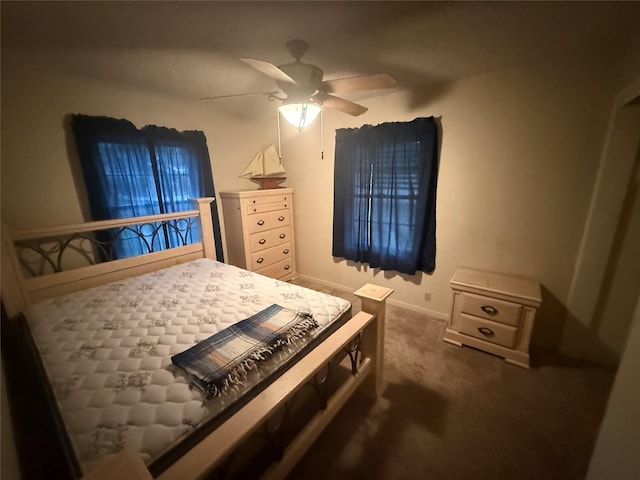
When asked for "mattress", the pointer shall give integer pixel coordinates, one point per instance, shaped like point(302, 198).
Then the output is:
point(107, 354)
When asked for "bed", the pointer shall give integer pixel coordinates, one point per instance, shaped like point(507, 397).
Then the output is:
point(104, 334)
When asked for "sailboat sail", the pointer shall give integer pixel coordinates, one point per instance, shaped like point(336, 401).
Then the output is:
point(265, 164)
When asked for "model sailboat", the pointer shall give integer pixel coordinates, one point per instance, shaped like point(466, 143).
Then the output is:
point(266, 168)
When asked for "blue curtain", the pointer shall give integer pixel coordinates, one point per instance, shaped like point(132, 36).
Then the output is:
point(130, 172)
point(385, 182)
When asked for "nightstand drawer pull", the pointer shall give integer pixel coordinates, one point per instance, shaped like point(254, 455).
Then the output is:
point(487, 332)
point(262, 241)
point(281, 218)
point(260, 260)
point(489, 310)
point(260, 222)
point(285, 251)
point(282, 235)
point(287, 267)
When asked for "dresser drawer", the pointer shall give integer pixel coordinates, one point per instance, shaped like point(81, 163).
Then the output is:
point(493, 332)
point(267, 203)
point(281, 235)
point(280, 218)
point(270, 255)
point(277, 270)
point(261, 240)
point(491, 309)
point(259, 222)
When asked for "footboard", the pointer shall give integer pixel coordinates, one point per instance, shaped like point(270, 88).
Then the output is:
point(361, 340)
point(354, 353)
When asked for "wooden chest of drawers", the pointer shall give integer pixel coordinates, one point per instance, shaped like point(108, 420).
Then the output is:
point(494, 313)
point(259, 231)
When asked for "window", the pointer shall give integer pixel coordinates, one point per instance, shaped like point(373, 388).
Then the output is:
point(130, 172)
point(384, 195)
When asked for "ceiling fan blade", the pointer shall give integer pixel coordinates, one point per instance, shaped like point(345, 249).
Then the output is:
point(341, 104)
point(268, 69)
point(233, 95)
point(364, 82)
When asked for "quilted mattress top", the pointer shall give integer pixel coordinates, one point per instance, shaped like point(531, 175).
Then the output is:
point(107, 351)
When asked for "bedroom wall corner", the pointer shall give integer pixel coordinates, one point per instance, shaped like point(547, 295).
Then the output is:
point(596, 328)
point(615, 452)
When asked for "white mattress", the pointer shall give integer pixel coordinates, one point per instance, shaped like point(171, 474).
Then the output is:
point(107, 351)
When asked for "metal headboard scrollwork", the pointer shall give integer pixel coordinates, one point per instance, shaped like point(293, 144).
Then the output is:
point(53, 254)
point(42, 263)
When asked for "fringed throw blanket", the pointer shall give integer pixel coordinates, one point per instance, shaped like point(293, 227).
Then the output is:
point(222, 360)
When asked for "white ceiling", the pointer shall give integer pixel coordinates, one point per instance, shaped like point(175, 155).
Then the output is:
point(191, 50)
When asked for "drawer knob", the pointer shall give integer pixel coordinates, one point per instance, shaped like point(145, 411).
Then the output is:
point(282, 235)
point(287, 267)
point(281, 218)
point(285, 251)
point(487, 332)
point(262, 241)
point(260, 222)
point(489, 310)
point(260, 260)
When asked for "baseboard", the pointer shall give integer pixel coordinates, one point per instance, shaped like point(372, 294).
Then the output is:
point(391, 301)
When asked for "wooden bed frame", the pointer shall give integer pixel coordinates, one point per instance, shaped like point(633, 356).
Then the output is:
point(367, 325)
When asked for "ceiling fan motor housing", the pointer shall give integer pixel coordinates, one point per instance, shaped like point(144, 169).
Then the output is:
point(308, 79)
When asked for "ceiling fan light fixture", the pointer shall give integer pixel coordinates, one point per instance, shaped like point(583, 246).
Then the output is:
point(300, 115)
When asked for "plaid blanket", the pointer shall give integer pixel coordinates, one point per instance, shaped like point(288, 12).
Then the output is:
point(221, 361)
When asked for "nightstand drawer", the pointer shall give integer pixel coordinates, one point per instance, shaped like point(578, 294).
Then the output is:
point(487, 330)
point(491, 309)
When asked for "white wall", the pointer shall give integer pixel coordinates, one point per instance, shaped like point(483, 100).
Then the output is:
point(520, 152)
point(615, 455)
point(613, 235)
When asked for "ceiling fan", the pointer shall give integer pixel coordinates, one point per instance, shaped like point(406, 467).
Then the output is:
point(304, 87)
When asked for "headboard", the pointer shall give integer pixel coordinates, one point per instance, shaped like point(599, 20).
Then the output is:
point(32, 261)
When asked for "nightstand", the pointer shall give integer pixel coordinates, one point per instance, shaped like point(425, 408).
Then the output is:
point(494, 313)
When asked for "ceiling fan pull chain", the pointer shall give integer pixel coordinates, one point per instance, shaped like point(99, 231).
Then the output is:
point(279, 143)
point(321, 135)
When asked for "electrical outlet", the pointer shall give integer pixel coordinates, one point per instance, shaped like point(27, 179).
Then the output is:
point(427, 296)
